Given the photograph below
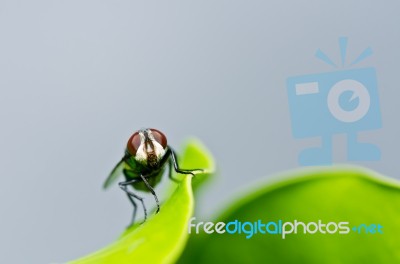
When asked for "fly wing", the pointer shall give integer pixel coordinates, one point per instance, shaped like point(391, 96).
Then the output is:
point(115, 173)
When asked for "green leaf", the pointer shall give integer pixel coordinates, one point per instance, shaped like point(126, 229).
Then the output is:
point(162, 237)
point(341, 194)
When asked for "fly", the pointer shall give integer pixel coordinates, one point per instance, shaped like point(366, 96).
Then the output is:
point(146, 156)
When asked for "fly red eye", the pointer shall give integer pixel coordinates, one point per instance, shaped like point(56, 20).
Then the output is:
point(133, 143)
point(159, 137)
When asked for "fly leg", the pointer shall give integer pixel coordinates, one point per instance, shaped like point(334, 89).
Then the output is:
point(170, 166)
point(176, 166)
point(152, 192)
point(124, 186)
point(134, 209)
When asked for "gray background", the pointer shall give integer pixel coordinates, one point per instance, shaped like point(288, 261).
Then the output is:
point(78, 77)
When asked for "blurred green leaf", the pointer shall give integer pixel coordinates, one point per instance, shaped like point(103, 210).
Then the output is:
point(162, 237)
point(330, 194)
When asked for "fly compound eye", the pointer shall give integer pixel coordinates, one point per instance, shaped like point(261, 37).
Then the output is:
point(134, 143)
point(159, 137)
